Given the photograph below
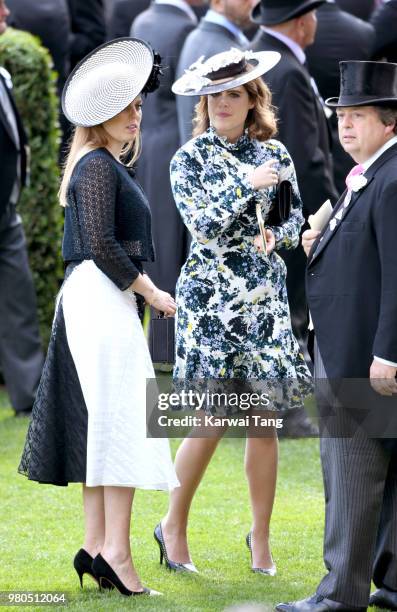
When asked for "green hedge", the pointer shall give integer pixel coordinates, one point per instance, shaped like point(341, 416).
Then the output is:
point(30, 65)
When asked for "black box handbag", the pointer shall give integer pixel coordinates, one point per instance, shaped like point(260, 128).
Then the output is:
point(281, 207)
point(162, 339)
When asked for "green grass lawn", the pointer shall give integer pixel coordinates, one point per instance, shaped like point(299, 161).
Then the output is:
point(41, 528)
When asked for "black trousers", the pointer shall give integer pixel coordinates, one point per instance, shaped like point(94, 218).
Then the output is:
point(21, 357)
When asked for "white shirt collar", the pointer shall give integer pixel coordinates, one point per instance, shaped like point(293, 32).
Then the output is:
point(215, 17)
point(379, 152)
point(181, 4)
point(291, 44)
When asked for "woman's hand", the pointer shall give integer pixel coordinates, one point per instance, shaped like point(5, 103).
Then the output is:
point(270, 242)
point(265, 175)
point(308, 238)
point(162, 301)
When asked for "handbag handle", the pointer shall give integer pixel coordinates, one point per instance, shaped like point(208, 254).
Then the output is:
point(261, 225)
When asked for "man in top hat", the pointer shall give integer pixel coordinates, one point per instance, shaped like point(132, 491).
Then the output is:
point(340, 36)
point(289, 27)
point(352, 295)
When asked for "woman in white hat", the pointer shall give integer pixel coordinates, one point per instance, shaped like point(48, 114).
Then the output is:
point(233, 319)
point(88, 423)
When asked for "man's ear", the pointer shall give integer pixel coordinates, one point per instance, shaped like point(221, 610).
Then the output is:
point(389, 129)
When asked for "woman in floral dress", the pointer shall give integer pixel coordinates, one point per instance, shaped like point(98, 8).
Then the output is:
point(233, 319)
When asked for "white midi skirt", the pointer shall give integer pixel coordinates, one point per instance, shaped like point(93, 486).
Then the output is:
point(89, 419)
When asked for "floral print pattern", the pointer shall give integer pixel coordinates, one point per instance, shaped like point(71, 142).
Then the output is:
point(233, 318)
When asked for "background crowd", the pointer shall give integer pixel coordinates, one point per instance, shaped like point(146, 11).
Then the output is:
point(182, 31)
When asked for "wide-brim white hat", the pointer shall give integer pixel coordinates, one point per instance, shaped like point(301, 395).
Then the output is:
point(224, 71)
point(106, 81)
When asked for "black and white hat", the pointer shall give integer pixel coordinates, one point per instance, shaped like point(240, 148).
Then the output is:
point(224, 71)
point(108, 79)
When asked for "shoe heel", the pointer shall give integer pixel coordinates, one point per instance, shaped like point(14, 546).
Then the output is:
point(270, 571)
point(108, 578)
point(81, 579)
point(82, 564)
point(171, 565)
point(105, 584)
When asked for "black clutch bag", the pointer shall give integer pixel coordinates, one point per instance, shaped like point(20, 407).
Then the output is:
point(162, 339)
point(281, 207)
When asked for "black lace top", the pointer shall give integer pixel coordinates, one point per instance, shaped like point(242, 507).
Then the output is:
point(107, 218)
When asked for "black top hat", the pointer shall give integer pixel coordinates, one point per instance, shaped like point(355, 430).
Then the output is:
point(273, 12)
point(366, 83)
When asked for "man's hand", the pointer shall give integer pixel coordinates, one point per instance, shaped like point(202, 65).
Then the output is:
point(308, 238)
point(383, 378)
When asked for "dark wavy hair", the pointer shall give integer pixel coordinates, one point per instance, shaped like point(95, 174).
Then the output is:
point(261, 119)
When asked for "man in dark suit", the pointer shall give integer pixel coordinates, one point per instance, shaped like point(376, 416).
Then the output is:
point(165, 25)
point(352, 294)
point(50, 20)
point(88, 29)
point(359, 8)
point(384, 21)
point(340, 36)
point(289, 28)
point(220, 29)
point(21, 357)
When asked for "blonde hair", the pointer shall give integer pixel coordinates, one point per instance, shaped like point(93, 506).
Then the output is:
point(261, 119)
point(86, 139)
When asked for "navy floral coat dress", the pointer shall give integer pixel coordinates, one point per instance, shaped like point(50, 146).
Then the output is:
point(233, 317)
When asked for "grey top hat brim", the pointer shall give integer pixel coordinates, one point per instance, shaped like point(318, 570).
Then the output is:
point(274, 16)
point(106, 81)
point(262, 62)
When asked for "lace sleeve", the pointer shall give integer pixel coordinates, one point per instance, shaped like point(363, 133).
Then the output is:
point(95, 191)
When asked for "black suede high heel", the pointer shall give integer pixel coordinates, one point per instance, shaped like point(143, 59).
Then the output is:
point(106, 574)
point(268, 571)
point(171, 565)
point(83, 565)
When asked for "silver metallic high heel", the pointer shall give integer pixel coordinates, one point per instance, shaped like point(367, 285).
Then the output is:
point(171, 565)
point(268, 571)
